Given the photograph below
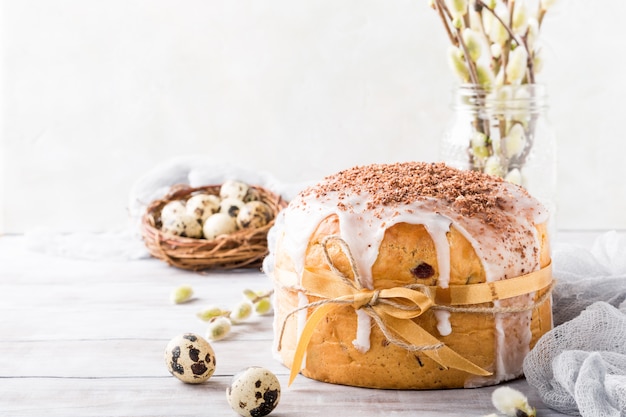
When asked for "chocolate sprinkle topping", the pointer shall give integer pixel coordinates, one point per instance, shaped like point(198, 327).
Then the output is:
point(468, 193)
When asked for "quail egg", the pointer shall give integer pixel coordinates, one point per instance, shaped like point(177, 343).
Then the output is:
point(190, 358)
point(202, 206)
point(183, 225)
point(231, 206)
point(173, 226)
point(219, 224)
point(233, 189)
point(193, 227)
point(255, 391)
point(172, 210)
point(254, 214)
point(253, 194)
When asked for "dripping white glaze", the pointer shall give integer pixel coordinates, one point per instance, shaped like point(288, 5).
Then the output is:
point(364, 323)
point(443, 322)
point(363, 230)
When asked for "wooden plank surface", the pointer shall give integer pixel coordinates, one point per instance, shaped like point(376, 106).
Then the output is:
point(86, 338)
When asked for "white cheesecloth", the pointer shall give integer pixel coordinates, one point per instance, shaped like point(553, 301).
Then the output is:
point(579, 367)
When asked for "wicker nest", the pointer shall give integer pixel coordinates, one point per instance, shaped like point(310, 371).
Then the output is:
point(244, 248)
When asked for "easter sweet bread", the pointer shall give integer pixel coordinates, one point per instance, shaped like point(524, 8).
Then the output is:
point(410, 276)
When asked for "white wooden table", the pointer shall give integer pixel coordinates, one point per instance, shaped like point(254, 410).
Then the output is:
point(86, 338)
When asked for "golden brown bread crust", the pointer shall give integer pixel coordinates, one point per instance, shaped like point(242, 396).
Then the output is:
point(331, 356)
point(406, 255)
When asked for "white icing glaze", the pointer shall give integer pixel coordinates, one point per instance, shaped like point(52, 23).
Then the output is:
point(513, 338)
point(443, 322)
point(363, 230)
point(364, 324)
point(438, 229)
point(272, 239)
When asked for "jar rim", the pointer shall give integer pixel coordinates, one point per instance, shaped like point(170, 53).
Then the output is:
point(529, 96)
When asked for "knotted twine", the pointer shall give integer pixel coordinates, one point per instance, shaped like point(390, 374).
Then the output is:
point(393, 309)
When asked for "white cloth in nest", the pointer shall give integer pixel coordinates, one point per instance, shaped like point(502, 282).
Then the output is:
point(197, 171)
point(580, 366)
point(126, 243)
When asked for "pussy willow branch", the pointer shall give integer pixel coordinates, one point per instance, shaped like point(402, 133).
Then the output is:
point(522, 41)
point(470, 64)
point(507, 46)
point(479, 11)
point(457, 39)
point(440, 10)
point(542, 14)
point(511, 10)
point(529, 60)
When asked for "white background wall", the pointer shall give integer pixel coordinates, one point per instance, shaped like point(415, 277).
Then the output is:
point(96, 93)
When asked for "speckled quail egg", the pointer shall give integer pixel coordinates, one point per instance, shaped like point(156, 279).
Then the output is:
point(190, 358)
point(233, 189)
point(202, 206)
point(219, 224)
point(183, 225)
point(254, 214)
point(172, 210)
point(193, 227)
point(253, 392)
point(173, 226)
point(231, 206)
point(253, 194)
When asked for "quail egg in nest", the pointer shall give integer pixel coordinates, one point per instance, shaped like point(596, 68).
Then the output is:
point(254, 214)
point(233, 189)
point(231, 206)
point(219, 224)
point(202, 206)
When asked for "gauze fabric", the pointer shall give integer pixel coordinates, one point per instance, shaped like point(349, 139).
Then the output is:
point(579, 367)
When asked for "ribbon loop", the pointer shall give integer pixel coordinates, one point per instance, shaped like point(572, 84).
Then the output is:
point(403, 303)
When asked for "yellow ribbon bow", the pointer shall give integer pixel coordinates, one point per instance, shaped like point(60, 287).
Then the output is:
point(394, 308)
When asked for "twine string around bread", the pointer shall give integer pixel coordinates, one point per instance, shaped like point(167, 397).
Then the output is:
point(393, 309)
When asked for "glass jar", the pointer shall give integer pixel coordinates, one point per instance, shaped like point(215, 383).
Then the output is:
point(504, 132)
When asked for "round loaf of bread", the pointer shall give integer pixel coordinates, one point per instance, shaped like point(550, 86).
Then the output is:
point(406, 225)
